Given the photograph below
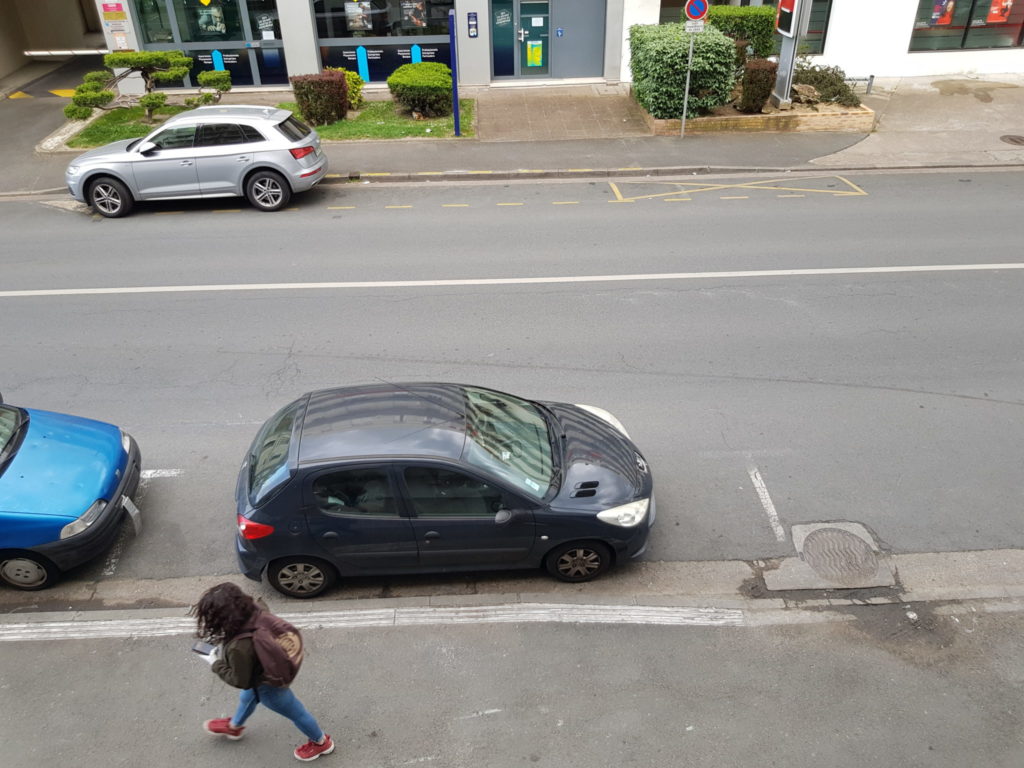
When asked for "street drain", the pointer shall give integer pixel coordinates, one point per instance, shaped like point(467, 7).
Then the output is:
point(1017, 141)
point(839, 556)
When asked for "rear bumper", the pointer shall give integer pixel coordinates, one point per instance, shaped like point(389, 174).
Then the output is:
point(307, 178)
point(249, 563)
point(97, 538)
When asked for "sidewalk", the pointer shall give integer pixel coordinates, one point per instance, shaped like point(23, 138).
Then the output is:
point(923, 122)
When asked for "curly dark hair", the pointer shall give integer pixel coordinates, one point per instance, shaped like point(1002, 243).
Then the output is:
point(222, 612)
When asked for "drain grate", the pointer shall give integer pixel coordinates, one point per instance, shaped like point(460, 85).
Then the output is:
point(839, 556)
point(1017, 141)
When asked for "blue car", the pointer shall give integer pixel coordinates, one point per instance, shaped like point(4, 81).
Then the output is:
point(65, 487)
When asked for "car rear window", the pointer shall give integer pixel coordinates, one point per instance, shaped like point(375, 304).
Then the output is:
point(294, 129)
point(268, 457)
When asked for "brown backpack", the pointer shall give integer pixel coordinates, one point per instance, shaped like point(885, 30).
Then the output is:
point(278, 647)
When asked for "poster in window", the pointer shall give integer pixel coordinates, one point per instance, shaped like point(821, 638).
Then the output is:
point(210, 20)
point(999, 11)
point(942, 13)
point(414, 14)
point(439, 10)
point(357, 16)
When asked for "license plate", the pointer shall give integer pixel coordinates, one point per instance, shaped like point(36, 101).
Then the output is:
point(133, 514)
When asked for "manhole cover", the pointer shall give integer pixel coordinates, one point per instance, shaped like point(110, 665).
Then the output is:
point(1017, 141)
point(839, 556)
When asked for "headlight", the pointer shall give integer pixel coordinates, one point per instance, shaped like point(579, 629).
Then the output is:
point(628, 515)
point(73, 170)
point(126, 442)
point(79, 525)
point(601, 413)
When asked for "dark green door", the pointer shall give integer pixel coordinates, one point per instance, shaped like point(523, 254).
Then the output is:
point(520, 38)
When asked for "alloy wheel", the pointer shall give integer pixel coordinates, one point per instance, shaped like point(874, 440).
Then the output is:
point(579, 563)
point(301, 578)
point(106, 199)
point(267, 192)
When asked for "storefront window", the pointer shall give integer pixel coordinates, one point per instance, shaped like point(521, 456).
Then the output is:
point(381, 18)
point(263, 19)
point(943, 25)
point(235, 62)
point(154, 21)
point(208, 23)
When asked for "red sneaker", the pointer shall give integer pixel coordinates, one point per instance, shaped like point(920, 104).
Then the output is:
point(222, 727)
point(311, 750)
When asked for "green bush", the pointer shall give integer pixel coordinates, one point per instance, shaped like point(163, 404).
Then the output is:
point(97, 88)
point(100, 77)
point(830, 82)
point(658, 61)
point(213, 83)
point(755, 24)
point(758, 83)
point(322, 98)
point(76, 112)
point(424, 87)
point(355, 86)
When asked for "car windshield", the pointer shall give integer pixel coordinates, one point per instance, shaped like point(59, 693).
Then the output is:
point(11, 421)
point(268, 458)
point(508, 436)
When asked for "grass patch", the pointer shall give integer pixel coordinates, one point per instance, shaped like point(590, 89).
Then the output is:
point(380, 120)
point(120, 124)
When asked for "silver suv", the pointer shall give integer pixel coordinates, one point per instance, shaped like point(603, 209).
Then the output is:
point(262, 153)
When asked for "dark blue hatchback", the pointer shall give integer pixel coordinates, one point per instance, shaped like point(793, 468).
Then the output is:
point(65, 486)
point(434, 478)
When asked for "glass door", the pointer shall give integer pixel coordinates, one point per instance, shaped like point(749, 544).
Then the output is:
point(520, 38)
point(534, 37)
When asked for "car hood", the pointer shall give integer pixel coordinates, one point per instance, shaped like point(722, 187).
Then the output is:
point(63, 465)
point(602, 468)
point(114, 151)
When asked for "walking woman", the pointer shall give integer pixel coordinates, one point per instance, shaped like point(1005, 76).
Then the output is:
point(259, 653)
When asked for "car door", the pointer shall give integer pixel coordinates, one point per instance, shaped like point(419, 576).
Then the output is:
point(454, 520)
point(168, 169)
point(224, 152)
point(355, 516)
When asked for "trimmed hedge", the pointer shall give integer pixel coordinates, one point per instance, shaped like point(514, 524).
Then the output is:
point(755, 24)
point(424, 87)
point(829, 81)
point(355, 86)
point(758, 83)
point(322, 98)
point(658, 57)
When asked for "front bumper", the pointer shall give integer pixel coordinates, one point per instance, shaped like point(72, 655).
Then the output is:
point(97, 538)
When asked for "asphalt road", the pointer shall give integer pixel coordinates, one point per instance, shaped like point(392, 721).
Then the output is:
point(890, 399)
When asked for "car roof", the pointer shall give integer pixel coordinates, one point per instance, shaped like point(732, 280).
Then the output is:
point(385, 419)
point(234, 112)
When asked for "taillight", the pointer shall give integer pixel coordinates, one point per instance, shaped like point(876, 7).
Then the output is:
point(250, 530)
point(301, 152)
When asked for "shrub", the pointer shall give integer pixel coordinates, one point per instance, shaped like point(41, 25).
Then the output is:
point(322, 98)
point(96, 90)
point(758, 82)
point(755, 24)
point(355, 86)
point(658, 62)
point(830, 82)
point(213, 83)
point(424, 87)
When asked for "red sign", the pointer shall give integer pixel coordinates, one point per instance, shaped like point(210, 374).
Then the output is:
point(999, 11)
point(942, 13)
point(785, 17)
point(696, 10)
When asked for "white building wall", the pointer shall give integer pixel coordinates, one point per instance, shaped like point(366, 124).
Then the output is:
point(635, 12)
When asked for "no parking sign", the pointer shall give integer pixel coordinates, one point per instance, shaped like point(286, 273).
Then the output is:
point(696, 10)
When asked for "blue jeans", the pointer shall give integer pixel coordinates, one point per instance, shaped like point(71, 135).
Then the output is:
point(282, 701)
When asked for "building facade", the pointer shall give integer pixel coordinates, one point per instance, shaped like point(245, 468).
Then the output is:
point(263, 42)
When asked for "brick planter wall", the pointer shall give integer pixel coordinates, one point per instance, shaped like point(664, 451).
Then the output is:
point(848, 120)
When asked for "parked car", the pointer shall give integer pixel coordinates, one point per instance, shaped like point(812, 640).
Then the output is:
point(261, 153)
point(66, 484)
point(437, 478)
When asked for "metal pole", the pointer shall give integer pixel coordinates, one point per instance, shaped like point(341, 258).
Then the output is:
point(455, 70)
point(686, 95)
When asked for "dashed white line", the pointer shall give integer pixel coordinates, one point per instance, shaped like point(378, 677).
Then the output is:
point(150, 474)
point(766, 502)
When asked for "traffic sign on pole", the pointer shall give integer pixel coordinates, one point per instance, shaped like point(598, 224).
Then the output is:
point(786, 17)
point(696, 10)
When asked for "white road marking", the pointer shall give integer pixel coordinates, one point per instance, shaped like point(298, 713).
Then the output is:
point(481, 713)
point(521, 613)
point(470, 282)
point(150, 474)
point(766, 502)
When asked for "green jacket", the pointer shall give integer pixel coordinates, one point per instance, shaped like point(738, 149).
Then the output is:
point(238, 665)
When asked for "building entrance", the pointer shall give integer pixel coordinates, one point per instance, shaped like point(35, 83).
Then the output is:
point(547, 38)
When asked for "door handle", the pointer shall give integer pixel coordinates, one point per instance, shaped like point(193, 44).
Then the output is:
point(431, 535)
point(186, 162)
point(331, 535)
point(522, 35)
point(242, 159)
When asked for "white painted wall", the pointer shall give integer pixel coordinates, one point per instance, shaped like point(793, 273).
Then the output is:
point(862, 46)
point(12, 43)
point(635, 12)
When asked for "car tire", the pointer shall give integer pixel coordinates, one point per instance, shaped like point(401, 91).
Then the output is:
point(27, 571)
point(301, 577)
point(267, 191)
point(110, 198)
point(578, 561)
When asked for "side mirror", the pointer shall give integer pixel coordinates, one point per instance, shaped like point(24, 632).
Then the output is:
point(146, 147)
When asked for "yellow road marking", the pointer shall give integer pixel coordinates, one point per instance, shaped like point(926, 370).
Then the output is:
point(629, 169)
point(375, 174)
point(615, 189)
point(429, 173)
point(510, 203)
point(340, 207)
point(565, 202)
point(168, 213)
point(735, 197)
point(678, 199)
point(620, 201)
point(578, 170)
point(792, 195)
point(398, 206)
point(768, 184)
point(481, 171)
point(19, 95)
point(64, 93)
point(859, 191)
